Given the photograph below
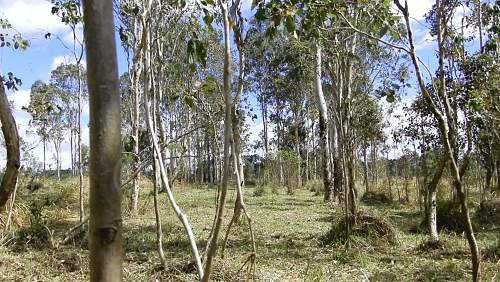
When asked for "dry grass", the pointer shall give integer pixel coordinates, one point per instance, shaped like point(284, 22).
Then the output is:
point(288, 230)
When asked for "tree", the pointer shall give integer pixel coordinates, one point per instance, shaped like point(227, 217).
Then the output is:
point(439, 103)
point(47, 114)
point(11, 137)
point(9, 128)
point(71, 14)
point(105, 240)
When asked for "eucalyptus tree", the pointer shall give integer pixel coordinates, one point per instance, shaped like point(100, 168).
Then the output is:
point(147, 80)
point(47, 116)
point(70, 12)
point(480, 78)
point(440, 103)
point(286, 12)
point(420, 129)
point(232, 19)
point(130, 35)
point(11, 137)
point(105, 240)
point(237, 23)
point(66, 85)
point(9, 127)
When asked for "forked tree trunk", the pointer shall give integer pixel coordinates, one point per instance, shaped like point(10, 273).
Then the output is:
point(157, 150)
point(105, 240)
point(446, 126)
point(11, 138)
point(211, 248)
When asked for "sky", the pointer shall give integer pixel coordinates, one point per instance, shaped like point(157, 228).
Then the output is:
point(33, 19)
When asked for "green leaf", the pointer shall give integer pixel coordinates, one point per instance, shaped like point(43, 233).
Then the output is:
point(383, 31)
point(208, 19)
point(290, 24)
point(260, 15)
point(390, 98)
point(189, 101)
point(271, 31)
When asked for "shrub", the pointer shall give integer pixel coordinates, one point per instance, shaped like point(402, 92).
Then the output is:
point(488, 212)
point(259, 191)
point(37, 232)
point(374, 198)
point(316, 186)
point(367, 226)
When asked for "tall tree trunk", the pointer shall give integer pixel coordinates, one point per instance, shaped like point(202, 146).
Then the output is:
point(71, 147)
point(105, 240)
point(323, 126)
point(446, 126)
point(365, 170)
point(213, 240)
point(80, 164)
point(297, 150)
point(11, 137)
point(156, 147)
point(44, 141)
point(135, 81)
point(431, 202)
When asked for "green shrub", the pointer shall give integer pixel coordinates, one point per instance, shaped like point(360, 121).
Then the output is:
point(316, 186)
point(37, 232)
point(260, 190)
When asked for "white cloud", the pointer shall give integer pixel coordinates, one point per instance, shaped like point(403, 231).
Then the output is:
point(64, 59)
point(418, 8)
point(424, 41)
point(31, 16)
point(68, 38)
point(59, 60)
point(20, 98)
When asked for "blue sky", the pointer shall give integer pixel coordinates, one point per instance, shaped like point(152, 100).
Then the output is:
point(33, 19)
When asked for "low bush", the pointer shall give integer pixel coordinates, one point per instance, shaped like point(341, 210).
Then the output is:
point(374, 198)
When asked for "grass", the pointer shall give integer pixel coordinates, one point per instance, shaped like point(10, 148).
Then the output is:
point(288, 231)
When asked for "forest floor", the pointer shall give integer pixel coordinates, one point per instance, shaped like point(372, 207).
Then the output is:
point(289, 232)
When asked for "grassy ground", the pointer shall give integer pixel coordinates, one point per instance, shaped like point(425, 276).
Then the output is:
point(289, 231)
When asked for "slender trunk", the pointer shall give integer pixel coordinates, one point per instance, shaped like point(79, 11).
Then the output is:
point(432, 204)
point(353, 194)
point(44, 141)
point(135, 81)
point(71, 147)
point(57, 148)
point(365, 170)
point(11, 137)
point(213, 240)
point(159, 232)
point(105, 239)
point(480, 25)
point(236, 148)
point(80, 166)
point(297, 151)
point(323, 126)
point(264, 122)
point(149, 118)
point(388, 175)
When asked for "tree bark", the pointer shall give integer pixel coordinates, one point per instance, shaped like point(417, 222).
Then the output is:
point(105, 240)
point(365, 169)
point(431, 202)
point(323, 126)
point(11, 137)
point(213, 240)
